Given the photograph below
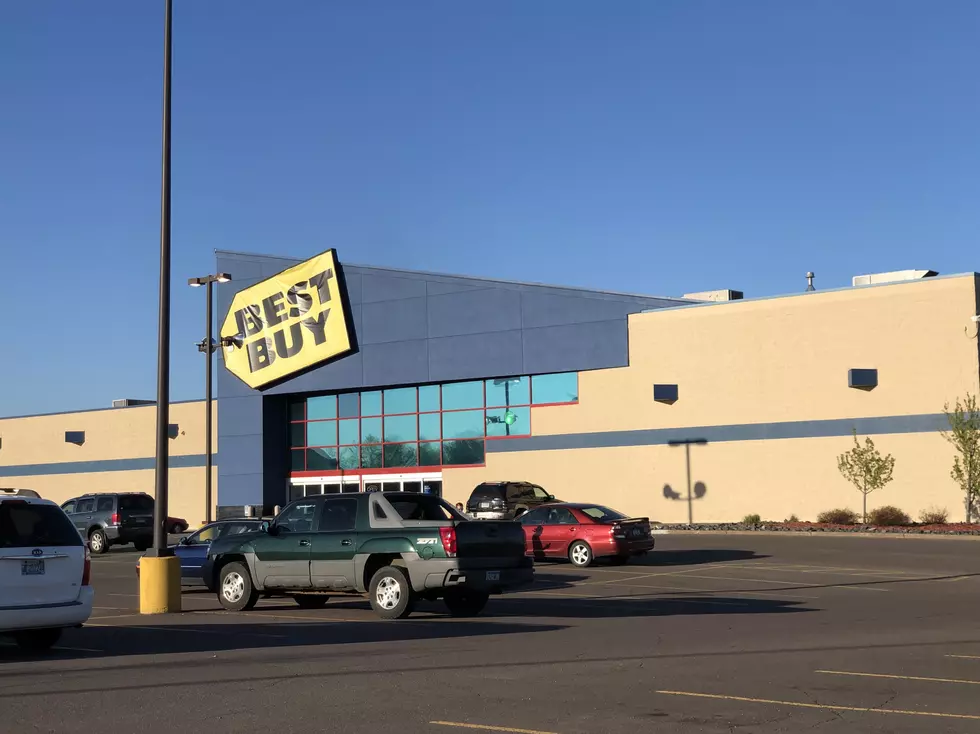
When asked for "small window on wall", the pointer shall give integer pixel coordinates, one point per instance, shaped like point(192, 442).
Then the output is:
point(551, 389)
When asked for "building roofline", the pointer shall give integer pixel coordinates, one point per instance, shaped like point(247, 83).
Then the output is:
point(94, 410)
point(475, 278)
point(701, 304)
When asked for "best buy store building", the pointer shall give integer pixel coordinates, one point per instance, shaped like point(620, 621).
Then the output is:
point(342, 378)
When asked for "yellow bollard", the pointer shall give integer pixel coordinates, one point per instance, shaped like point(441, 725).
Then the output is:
point(159, 585)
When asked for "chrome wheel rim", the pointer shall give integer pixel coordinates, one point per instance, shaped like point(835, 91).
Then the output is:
point(580, 555)
point(233, 587)
point(96, 542)
point(388, 593)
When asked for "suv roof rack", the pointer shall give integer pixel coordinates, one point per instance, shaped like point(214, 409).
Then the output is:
point(19, 492)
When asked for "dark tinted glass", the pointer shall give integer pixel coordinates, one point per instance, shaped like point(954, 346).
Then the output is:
point(85, 506)
point(488, 492)
point(420, 507)
point(297, 434)
point(35, 525)
point(321, 459)
point(297, 410)
point(138, 502)
point(462, 452)
point(104, 504)
point(401, 454)
point(348, 405)
point(338, 515)
point(534, 517)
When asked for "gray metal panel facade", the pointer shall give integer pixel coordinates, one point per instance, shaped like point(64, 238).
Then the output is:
point(413, 327)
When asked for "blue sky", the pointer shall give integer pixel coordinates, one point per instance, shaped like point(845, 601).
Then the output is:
point(656, 147)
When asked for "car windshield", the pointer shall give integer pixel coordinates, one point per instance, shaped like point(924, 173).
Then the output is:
point(422, 507)
point(540, 493)
point(602, 514)
point(31, 525)
point(136, 502)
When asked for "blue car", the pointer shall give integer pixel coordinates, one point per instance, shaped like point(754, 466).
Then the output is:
point(193, 549)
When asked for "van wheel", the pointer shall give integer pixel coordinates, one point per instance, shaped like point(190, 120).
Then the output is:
point(391, 593)
point(97, 542)
point(580, 554)
point(235, 590)
point(465, 602)
point(310, 601)
point(37, 640)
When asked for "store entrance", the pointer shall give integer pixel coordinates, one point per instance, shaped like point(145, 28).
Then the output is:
point(429, 483)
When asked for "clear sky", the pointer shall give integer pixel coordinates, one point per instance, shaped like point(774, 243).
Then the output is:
point(650, 146)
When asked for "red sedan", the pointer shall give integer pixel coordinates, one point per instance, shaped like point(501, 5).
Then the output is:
point(583, 532)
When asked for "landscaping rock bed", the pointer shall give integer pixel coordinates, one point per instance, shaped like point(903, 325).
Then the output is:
point(815, 527)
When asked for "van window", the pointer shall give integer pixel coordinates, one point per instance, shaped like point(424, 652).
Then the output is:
point(29, 525)
point(105, 504)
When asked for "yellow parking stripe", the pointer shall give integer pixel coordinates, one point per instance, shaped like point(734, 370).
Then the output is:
point(825, 707)
point(484, 727)
point(899, 677)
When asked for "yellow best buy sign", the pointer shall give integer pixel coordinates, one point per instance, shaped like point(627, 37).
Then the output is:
point(287, 323)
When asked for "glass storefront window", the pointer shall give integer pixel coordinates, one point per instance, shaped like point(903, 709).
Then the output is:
point(401, 428)
point(508, 391)
point(321, 408)
point(370, 430)
point(509, 421)
point(429, 426)
point(371, 403)
point(462, 395)
point(429, 398)
point(321, 433)
point(463, 424)
point(349, 432)
point(559, 388)
point(402, 400)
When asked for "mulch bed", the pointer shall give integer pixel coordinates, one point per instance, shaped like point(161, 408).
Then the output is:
point(817, 527)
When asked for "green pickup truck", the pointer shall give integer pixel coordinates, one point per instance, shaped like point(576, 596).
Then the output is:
point(398, 547)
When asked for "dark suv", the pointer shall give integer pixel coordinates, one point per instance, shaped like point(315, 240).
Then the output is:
point(113, 519)
point(505, 500)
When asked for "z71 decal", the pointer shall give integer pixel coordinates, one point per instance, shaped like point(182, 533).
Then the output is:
point(425, 541)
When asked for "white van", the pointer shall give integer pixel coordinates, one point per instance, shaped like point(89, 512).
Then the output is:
point(44, 572)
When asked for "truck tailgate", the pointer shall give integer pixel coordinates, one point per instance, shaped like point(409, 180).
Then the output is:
point(488, 542)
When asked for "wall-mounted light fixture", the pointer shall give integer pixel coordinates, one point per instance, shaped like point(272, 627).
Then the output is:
point(666, 394)
point(862, 379)
point(173, 429)
point(75, 437)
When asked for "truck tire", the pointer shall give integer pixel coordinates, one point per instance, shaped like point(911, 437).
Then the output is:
point(465, 602)
point(391, 593)
point(310, 601)
point(236, 592)
point(98, 543)
point(580, 554)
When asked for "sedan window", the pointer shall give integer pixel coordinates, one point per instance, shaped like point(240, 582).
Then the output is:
point(534, 517)
point(204, 535)
point(560, 516)
point(603, 514)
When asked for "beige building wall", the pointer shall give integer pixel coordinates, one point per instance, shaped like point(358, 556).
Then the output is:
point(757, 362)
point(123, 436)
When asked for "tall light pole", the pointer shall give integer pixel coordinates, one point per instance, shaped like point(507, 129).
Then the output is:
point(160, 574)
point(208, 347)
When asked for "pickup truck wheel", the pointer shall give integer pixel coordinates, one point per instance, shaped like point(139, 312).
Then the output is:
point(97, 542)
point(309, 601)
point(391, 593)
point(235, 590)
point(580, 554)
point(465, 602)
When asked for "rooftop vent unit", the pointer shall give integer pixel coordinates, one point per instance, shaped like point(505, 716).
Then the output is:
point(722, 295)
point(131, 403)
point(895, 276)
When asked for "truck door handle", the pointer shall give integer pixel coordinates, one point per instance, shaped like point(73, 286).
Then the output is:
point(304, 542)
point(345, 541)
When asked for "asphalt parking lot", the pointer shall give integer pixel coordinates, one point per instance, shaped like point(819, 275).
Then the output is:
point(711, 633)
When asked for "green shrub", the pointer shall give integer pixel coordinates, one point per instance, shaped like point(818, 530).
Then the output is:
point(888, 515)
point(751, 520)
point(934, 516)
point(838, 517)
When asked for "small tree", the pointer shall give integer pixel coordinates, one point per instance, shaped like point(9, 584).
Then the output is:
point(866, 468)
point(964, 434)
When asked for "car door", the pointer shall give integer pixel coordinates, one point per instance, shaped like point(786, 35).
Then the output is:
point(533, 524)
point(562, 529)
point(69, 509)
point(192, 552)
point(83, 515)
point(334, 544)
point(282, 556)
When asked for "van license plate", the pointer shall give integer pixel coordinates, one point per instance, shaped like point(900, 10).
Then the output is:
point(32, 568)
point(493, 575)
